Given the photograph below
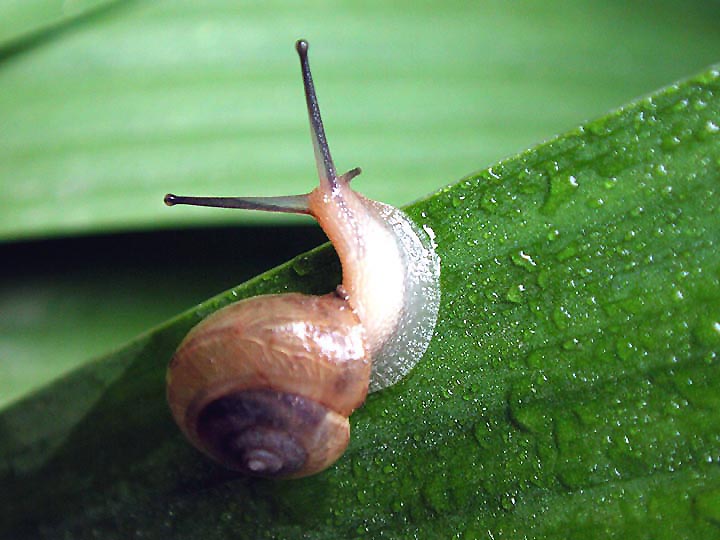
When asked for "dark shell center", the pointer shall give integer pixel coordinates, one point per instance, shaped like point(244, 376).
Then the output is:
point(260, 432)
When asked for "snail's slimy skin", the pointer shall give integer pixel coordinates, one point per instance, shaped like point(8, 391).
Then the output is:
point(391, 276)
point(265, 386)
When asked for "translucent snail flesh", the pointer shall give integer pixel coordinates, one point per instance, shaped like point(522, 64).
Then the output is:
point(265, 386)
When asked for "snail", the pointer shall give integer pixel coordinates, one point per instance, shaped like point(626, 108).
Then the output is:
point(265, 385)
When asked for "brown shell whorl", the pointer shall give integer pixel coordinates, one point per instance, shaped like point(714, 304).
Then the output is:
point(265, 385)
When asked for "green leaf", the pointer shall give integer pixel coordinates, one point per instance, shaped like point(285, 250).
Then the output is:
point(570, 390)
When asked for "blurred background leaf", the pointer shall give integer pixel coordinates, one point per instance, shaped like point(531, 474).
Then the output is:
point(25, 20)
point(105, 106)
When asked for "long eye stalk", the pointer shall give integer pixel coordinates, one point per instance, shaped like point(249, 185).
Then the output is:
point(323, 159)
point(297, 204)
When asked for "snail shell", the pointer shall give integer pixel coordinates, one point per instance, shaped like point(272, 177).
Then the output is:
point(265, 386)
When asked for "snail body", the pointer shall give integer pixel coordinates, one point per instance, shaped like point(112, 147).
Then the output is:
point(265, 386)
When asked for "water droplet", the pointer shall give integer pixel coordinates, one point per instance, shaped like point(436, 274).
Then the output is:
point(531, 417)
point(482, 434)
point(515, 294)
point(709, 76)
point(567, 252)
point(709, 129)
point(227, 517)
point(707, 331)
point(561, 317)
point(625, 348)
point(681, 105)
point(302, 266)
point(489, 203)
point(598, 127)
point(699, 104)
point(431, 234)
point(553, 235)
point(610, 183)
point(560, 190)
point(508, 501)
point(523, 260)
point(670, 142)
